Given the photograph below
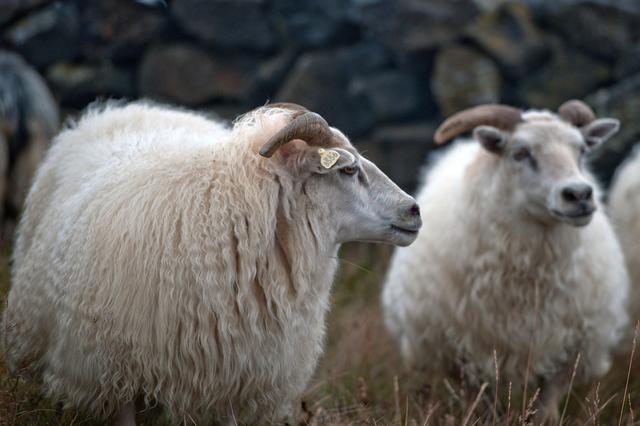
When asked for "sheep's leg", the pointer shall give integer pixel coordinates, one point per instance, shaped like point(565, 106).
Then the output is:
point(126, 415)
point(551, 394)
point(408, 354)
point(229, 419)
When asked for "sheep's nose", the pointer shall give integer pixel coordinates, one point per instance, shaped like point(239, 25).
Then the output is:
point(577, 192)
point(410, 217)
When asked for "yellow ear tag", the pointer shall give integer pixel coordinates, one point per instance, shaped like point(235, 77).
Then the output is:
point(328, 157)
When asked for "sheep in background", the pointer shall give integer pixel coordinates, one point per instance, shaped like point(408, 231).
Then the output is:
point(28, 120)
point(517, 258)
point(161, 257)
point(624, 208)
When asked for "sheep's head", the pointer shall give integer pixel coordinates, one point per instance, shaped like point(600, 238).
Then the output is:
point(541, 155)
point(359, 201)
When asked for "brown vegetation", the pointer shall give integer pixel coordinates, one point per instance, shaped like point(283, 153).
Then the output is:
point(361, 380)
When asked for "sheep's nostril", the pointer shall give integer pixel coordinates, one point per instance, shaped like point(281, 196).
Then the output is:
point(588, 193)
point(415, 210)
point(569, 195)
point(577, 193)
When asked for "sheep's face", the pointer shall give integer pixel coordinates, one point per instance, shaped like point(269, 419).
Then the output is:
point(543, 165)
point(357, 201)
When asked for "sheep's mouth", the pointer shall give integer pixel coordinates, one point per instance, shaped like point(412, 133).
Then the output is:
point(581, 217)
point(404, 230)
point(580, 214)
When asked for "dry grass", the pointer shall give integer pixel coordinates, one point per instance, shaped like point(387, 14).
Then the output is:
point(361, 379)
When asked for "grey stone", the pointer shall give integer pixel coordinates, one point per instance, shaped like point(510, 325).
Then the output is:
point(412, 25)
point(47, 35)
point(509, 34)
point(191, 76)
point(271, 72)
point(402, 150)
point(568, 74)
point(227, 23)
point(312, 23)
point(77, 85)
point(391, 94)
point(320, 81)
point(490, 5)
point(621, 101)
point(605, 29)
point(119, 29)
point(463, 78)
point(10, 8)
point(628, 64)
point(546, 7)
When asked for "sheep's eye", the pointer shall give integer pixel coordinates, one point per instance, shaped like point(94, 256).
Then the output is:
point(521, 154)
point(583, 151)
point(349, 170)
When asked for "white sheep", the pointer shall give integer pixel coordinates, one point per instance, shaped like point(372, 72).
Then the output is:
point(516, 256)
point(624, 208)
point(161, 258)
point(28, 120)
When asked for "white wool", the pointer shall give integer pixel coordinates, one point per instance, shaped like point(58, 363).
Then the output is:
point(126, 285)
point(624, 204)
point(477, 280)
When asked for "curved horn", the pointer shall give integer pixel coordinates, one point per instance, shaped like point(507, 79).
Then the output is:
point(500, 116)
point(576, 112)
point(307, 125)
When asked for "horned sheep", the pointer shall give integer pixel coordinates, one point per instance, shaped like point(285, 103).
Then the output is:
point(624, 207)
point(517, 256)
point(161, 259)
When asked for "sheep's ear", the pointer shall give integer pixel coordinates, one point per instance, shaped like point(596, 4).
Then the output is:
point(303, 158)
point(325, 160)
point(599, 131)
point(491, 138)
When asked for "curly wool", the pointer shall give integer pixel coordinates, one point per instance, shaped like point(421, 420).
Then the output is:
point(160, 256)
point(479, 279)
point(624, 202)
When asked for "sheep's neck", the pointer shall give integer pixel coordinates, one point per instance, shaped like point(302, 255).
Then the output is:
point(304, 253)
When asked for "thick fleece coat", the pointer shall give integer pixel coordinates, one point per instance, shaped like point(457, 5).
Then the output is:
point(624, 203)
point(159, 257)
point(480, 278)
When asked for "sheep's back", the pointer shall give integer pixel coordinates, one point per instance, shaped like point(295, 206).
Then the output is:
point(147, 243)
point(102, 248)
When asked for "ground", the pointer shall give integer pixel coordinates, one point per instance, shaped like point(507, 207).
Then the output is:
point(361, 379)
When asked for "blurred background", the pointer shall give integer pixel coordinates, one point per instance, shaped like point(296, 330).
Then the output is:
point(386, 72)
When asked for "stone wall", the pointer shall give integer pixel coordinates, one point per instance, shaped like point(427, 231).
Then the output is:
point(384, 71)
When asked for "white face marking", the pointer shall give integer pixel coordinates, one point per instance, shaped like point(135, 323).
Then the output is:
point(552, 166)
